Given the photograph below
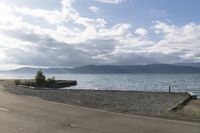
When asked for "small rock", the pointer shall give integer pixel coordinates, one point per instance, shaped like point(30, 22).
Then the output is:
point(71, 125)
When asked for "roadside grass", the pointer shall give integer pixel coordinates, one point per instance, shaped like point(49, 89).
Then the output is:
point(192, 109)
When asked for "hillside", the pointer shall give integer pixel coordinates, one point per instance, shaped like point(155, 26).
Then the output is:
point(112, 69)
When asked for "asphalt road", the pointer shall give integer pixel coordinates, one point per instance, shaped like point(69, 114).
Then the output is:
point(24, 114)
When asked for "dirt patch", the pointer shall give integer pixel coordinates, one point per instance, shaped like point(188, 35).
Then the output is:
point(191, 110)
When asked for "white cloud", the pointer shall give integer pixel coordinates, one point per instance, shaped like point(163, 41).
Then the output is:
point(184, 40)
point(163, 27)
point(66, 3)
point(65, 38)
point(111, 1)
point(141, 31)
point(94, 9)
point(53, 17)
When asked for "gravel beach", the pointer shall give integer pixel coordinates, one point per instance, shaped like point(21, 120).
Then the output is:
point(154, 104)
point(131, 102)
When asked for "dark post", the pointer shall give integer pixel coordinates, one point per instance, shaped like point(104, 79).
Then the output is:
point(169, 89)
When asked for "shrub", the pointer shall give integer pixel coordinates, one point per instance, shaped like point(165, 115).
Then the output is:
point(40, 79)
point(51, 82)
point(17, 82)
point(28, 83)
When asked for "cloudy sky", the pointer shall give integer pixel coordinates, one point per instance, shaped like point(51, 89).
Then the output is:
point(70, 33)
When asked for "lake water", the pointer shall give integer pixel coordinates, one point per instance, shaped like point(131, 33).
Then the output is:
point(139, 82)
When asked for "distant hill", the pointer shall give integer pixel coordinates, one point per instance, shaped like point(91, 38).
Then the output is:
point(34, 70)
point(188, 64)
point(112, 69)
point(136, 69)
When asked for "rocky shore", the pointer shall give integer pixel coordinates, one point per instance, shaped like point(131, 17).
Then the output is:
point(121, 101)
point(49, 84)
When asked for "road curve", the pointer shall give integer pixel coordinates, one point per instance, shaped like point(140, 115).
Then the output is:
point(24, 114)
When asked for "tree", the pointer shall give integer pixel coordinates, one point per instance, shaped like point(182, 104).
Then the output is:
point(40, 79)
point(51, 82)
point(17, 82)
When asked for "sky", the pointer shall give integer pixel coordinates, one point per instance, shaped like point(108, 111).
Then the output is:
point(71, 33)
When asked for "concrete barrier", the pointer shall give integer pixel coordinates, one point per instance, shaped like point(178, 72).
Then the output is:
point(192, 96)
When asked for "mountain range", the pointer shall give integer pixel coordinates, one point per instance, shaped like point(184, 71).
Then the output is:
point(114, 69)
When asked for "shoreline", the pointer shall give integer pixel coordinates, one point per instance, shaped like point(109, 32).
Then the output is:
point(153, 104)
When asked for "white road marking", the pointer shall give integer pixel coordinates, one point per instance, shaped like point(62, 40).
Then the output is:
point(3, 109)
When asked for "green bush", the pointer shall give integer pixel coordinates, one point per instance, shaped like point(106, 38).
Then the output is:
point(28, 83)
point(17, 82)
point(51, 82)
point(40, 79)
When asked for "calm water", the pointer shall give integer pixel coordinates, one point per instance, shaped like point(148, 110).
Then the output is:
point(142, 82)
